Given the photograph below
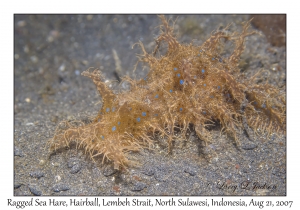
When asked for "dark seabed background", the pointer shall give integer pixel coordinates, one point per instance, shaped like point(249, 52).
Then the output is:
point(51, 51)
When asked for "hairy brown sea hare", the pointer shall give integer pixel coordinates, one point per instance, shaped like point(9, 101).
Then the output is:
point(188, 85)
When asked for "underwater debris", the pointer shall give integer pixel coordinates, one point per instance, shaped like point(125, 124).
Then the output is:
point(188, 85)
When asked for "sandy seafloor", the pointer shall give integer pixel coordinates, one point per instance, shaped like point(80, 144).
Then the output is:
point(51, 51)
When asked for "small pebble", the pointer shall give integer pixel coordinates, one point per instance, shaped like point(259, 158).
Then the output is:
point(72, 162)
point(138, 186)
point(77, 72)
point(190, 171)
point(62, 67)
point(37, 174)
point(42, 162)
point(60, 187)
point(109, 170)
point(148, 171)
point(26, 49)
point(35, 191)
point(89, 17)
point(85, 62)
point(18, 152)
point(34, 59)
point(17, 185)
point(21, 23)
point(249, 146)
point(57, 178)
point(75, 169)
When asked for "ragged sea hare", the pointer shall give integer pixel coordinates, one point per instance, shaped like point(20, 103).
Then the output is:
point(187, 86)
